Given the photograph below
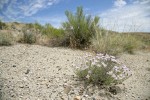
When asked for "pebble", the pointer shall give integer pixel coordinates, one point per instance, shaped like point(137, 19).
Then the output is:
point(14, 65)
point(67, 89)
point(27, 72)
point(77, 98)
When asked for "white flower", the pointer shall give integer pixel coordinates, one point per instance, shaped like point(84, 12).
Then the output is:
point(93, 63)
point(114, 60)
point(103, 64)
point(87, 76)
point(89, 72)
point(110, 73)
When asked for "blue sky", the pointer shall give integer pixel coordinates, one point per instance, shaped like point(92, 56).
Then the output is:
point(117, 15)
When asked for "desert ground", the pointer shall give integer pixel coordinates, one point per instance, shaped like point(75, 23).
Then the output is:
point(33, 72)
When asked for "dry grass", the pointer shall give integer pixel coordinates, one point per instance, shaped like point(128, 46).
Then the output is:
point(115, 43)
point(6, 39)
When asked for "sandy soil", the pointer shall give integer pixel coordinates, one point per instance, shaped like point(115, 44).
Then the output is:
point(32, 72)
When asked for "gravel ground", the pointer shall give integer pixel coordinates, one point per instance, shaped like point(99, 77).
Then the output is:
point(32, 72)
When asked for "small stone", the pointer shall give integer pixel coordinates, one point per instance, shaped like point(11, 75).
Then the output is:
point(21, 86)
point(77, 98)
point(83, 99)
point(27, 72)
point(86, 95)
point(14, 65)
point(67, 89)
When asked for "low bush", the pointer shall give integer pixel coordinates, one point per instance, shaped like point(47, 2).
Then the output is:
point(101, 70)
point(29, 38)
point(52, 32)
point(2, 25)
point(130, 43)
point(6, 39)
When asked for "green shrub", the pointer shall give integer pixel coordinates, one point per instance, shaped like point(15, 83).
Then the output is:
point(52, 32)
point(30, 33)
point(6, 39)
point(101, 70)
point(80, 28)
point(29, 38)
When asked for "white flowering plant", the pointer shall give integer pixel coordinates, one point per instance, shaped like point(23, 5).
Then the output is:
point(101, 69)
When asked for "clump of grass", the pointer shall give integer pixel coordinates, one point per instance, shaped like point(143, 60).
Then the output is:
point(101, 70)
point(115, 43)
point(6, 39)
point(130, 43)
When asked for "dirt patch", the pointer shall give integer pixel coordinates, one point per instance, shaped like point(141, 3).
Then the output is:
point(32, 72)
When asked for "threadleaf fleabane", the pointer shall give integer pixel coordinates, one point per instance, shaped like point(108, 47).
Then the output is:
point(101, 69)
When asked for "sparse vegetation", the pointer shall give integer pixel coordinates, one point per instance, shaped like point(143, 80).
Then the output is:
point(81, 31)
point(114, 43)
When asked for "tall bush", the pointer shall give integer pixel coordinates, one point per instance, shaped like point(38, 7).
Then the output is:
point(80, 28)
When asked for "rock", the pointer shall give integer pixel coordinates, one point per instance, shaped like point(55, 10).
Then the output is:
point(14, 65)
point(77, 98)
point(67, 89)
point(27, 72)
point(83, 99)
point(114, 90)
point(86, 95)
point(21, 86)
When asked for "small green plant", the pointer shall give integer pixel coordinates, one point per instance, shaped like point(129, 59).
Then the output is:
point(101, 70)
point(6, 39)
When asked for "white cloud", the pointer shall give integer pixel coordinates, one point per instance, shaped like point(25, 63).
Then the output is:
point(141, 2)
point(17, 9)
point(120, 3)
point(133, 17)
